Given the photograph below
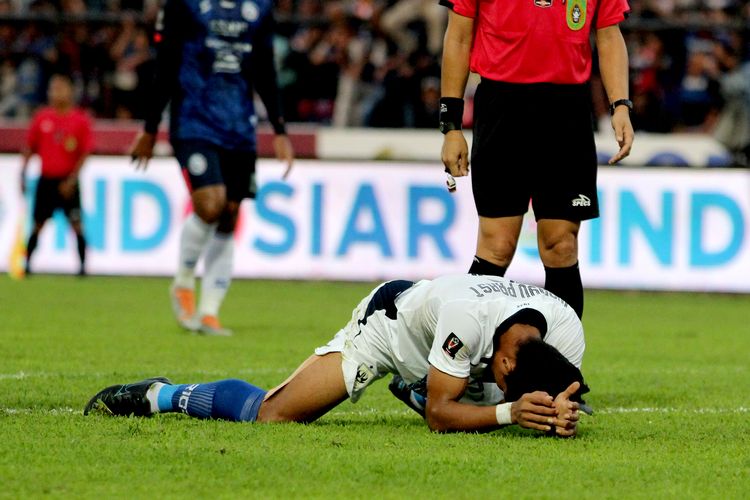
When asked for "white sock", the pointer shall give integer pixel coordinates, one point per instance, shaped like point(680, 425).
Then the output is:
point(152, 396)
point(218, 273)
point(195, 234)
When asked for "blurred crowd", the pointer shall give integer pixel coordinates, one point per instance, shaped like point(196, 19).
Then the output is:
point(374, 63)
point(104, 45)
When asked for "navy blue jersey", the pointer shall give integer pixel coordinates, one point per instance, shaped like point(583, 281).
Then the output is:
point(211, 56)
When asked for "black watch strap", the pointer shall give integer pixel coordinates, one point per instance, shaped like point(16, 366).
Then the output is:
point(620, 102)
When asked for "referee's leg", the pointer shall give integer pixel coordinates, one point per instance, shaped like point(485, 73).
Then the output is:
point(558, 249)
point(497, 239)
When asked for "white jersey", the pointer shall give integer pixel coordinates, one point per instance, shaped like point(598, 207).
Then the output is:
point(450, 323)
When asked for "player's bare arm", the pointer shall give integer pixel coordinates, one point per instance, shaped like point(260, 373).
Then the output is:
point(445, 414)
point(613, 63)
point(284, 151)
point(68, 187)
point(455, 72)
point(26, 155)
point(143, 149)
point(261, 75)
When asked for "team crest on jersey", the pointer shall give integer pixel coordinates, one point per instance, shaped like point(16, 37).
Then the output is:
point(576, 14)
point(197, 164)
point(543, 3)
point(70, 144)
point(250, 11)
point(452, 345)
point(363, 378)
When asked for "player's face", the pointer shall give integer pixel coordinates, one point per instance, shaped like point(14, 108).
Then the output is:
point(60, 92)
point(504, 360)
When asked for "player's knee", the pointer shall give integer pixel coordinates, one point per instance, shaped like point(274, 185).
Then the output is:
point(498, 251)
point(560, 250)
point(210, 210)
point(270, 412)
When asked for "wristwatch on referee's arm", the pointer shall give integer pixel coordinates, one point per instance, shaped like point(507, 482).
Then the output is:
point(621, 102)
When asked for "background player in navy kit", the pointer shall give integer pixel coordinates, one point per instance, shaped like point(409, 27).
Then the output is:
point(211, 56)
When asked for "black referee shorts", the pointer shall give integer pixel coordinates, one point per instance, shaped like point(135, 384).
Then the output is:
point(206, 164)
point(534, 142)
point(48, 199)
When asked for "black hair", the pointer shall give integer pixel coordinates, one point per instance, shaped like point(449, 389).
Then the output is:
point(541, 367)
point(526, 316)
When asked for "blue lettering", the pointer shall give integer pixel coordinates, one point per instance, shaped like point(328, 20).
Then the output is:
point(278, 219)
point(597, 236)
point(95, 220)
point(633, 218)
point(61, 229)
point(700, 203)
point(365, 203)
point(316, 224)
point(436, 230)
point(131, 190)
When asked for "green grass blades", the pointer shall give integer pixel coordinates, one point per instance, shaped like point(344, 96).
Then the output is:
point(669, 376)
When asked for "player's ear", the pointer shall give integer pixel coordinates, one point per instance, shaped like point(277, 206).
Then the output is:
point(507, 364)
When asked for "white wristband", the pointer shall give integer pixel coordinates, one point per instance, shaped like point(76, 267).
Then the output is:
point(502, 414)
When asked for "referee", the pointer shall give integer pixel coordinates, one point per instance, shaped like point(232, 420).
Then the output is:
point(533, 135)
point(60, 134)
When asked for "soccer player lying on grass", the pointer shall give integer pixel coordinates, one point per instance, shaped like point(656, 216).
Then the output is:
point(458, 331)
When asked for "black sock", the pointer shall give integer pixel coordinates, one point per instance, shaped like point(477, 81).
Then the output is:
point(565, 282)
point(81, 250)
point(481, 266)
point(30, 247)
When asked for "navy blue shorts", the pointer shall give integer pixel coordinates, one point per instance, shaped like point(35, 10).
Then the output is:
point(205, 164)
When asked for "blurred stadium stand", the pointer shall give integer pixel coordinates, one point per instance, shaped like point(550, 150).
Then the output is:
point(372, 63)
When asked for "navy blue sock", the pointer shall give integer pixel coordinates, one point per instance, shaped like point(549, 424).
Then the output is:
point(231, 399)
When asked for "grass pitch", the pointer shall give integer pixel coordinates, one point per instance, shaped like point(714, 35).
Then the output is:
point(669, 376)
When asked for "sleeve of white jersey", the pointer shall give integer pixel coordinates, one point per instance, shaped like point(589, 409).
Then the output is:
point(570, 341)
point(457, 340)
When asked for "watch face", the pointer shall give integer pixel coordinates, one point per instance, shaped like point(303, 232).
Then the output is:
point(446, 127)
point(622, 102)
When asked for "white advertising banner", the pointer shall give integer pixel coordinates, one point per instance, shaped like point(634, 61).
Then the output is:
point(670, 229)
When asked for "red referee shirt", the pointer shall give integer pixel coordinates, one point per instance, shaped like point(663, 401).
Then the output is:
point(530, 41)
point(60, 140)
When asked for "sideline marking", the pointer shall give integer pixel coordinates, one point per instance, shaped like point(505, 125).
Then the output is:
point(22, 375)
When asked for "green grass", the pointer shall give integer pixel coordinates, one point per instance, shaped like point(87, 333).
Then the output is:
point(669, 376)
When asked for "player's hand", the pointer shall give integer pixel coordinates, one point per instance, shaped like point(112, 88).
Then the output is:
point(536, 410)
point(567, 411)
point(67, 187)
point(142, 150)
point(455, 154)
point(623, 133)
point(284, 151)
